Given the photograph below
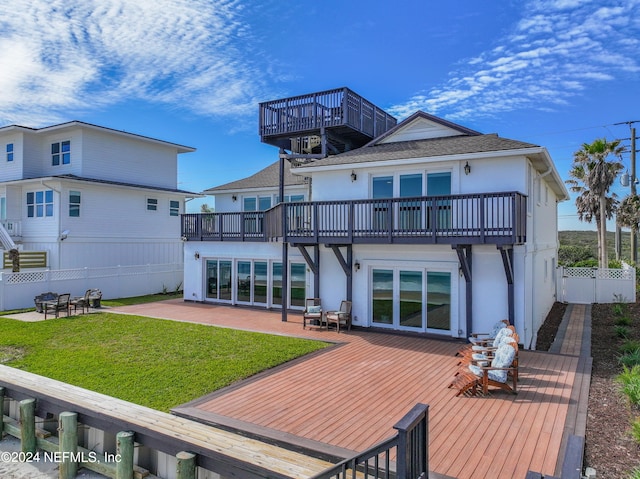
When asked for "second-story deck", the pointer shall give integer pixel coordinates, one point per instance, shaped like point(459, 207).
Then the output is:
point(482, 218)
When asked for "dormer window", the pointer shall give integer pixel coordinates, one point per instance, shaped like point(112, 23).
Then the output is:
point(61, 153)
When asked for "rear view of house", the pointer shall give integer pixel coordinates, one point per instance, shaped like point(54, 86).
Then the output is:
point(425, 226)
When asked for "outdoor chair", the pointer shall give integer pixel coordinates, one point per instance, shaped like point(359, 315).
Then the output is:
point(488, 349)
point(61, 303)
point(341, 317)
point(503, 366)
point(41, 298)
point(80, 301)
point(312, 314)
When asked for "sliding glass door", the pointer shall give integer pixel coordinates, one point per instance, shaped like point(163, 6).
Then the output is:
point(411, 299)
point(218, 279)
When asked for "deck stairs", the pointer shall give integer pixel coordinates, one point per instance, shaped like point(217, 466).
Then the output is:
point(5, 239)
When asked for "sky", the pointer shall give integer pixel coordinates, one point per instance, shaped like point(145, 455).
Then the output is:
point(555, 73)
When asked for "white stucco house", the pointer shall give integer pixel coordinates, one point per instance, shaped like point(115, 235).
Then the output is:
point(90, 196)
point(426, 225)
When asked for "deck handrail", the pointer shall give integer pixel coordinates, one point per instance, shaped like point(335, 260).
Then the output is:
point(484, 218)
point(411, 447)
point(337, 107)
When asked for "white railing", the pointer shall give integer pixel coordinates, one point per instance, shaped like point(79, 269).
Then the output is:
point(5, 236)
point(596, 285)
point(17, 290)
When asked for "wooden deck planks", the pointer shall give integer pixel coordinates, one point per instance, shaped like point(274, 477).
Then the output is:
point(351, 395)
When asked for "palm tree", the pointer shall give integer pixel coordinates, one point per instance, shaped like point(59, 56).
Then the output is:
point(592, 176)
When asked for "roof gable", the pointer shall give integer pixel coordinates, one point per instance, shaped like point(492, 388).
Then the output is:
point(422, 126)
point(268, 177)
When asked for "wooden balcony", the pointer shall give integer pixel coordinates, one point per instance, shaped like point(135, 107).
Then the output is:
point(483, 218)
point(351, 120)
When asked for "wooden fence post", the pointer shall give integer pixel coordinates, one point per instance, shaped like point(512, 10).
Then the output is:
point(186, 465)
point(124, 445)
point(1, 412)
point(28, 425)
point(68, 433)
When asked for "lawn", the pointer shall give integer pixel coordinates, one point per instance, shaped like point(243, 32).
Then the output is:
point(151, 362)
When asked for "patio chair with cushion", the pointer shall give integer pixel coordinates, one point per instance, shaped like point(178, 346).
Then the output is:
point(312, 314)
point(341, 317)
point(61, 303)
point(503, 366)
point(80, 301)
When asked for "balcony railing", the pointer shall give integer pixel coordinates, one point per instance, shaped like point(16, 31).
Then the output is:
point(332, 108)
point(483, 218)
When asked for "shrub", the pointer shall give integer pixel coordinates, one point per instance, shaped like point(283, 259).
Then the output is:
point(630, 358)
point(623, 321)
point(635, 430)
point(629, 346)
point(622, 332)
point(568, 255)
point(629, 378)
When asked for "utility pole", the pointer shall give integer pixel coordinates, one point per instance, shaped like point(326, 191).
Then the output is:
point(634, 231)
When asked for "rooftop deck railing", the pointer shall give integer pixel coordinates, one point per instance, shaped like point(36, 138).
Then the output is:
point(482, 218)
point(331, 108)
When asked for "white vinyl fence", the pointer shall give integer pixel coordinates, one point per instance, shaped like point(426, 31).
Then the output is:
point(596, 285)
point(17, 290)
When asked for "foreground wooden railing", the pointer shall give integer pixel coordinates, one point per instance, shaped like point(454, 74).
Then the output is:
point(483, 218)
point(410, 447)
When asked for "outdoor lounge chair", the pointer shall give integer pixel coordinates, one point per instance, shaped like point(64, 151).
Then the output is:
point(503, 366)
point(341, 317)
point(312, 314)
point(80, 301)
point(61, 303)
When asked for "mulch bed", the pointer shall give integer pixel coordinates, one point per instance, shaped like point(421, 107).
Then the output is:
point(609, 447)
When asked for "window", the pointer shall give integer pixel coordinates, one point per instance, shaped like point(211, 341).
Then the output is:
point(152, 204)
point(261, 203)
point(61, 153)
point(9, 151)
point(39, 204)
point(289, 198)
point(174, 208)
point(74, 203)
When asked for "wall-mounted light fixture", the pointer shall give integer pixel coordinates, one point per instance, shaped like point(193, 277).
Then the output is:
point(234, 197)
point(467, 168)
point(357, 265)
point(354, 177)
point(196, 255)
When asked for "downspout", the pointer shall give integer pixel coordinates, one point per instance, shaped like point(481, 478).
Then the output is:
point(529, 333)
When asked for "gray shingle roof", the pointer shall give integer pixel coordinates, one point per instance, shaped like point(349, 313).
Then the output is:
point(269, 177)
point(433, 147)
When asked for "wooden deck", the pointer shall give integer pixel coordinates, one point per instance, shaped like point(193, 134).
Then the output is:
point(348, 397)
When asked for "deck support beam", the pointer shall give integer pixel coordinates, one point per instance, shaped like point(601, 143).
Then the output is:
point(314, 266)
point(466, 260)
point(507, 261)
point(347, 266)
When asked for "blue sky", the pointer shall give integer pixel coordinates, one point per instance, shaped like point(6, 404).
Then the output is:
point(556, 73)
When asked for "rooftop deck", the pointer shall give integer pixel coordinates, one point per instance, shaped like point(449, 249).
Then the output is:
point(483, 218)
point(348, 397)
point(352, 120)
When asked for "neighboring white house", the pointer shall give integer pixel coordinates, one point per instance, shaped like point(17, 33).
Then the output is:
point(90, 196)
point(430, 227)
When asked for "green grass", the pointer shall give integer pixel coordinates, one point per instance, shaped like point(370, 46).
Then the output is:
point(151, 362)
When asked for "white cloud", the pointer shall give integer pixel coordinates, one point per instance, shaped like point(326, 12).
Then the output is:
point(555, 52)
point(60, 56)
